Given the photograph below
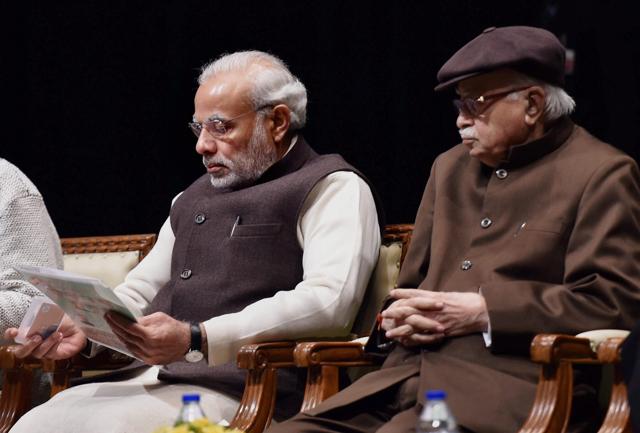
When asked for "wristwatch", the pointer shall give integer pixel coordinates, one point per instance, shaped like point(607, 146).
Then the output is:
point(195, 349)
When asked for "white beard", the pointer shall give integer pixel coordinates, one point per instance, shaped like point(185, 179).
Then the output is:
point(247, 166)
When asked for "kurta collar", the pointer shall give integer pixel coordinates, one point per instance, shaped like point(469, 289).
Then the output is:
point(522, 154)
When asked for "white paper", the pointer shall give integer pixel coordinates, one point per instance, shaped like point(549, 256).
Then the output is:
point(84, 299)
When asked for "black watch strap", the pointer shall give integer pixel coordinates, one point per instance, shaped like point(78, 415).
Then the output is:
point(196, 337)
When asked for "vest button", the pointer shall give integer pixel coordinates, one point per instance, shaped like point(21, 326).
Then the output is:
point(185, 274)
point(466, 265)
point(501, 173)
point(200, 218)
point(485, 223)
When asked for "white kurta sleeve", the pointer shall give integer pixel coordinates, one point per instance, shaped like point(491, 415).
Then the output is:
point(339, 233)
point(145, 280)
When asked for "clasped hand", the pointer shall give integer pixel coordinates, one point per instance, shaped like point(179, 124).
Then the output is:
point(156, 339)
point(420, 317)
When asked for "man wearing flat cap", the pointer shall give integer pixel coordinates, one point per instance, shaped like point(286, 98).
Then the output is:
point(530, 225)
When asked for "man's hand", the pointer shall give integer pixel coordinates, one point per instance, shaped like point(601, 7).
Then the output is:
point(157, 339)
point(67, 341)
point(422, 317)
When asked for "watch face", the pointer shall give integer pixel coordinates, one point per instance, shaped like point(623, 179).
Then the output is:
point(193, 356)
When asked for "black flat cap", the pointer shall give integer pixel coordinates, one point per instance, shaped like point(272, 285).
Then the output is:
point(530, 50)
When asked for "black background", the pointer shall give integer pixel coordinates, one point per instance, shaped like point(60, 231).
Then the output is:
point(96, 94)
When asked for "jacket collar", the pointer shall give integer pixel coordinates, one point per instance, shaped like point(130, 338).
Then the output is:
point(526, 153)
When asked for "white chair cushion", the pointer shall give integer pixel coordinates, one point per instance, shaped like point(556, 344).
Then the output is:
point(111, 268)
point(383, 279)
point(597, 336)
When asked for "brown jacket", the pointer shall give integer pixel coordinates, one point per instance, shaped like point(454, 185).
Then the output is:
point(558, 251)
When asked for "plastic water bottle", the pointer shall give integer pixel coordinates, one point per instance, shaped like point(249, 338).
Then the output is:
point(436, 416)
point(191, 409)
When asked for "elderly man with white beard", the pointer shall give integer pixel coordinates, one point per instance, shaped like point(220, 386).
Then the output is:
point(274, 242)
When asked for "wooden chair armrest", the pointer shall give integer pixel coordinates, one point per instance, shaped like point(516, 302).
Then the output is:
point(332, 353)
point(552, 405)
point(618, 416)
point(323, 360)
point(261, 360)
point(17, 377)
point(554, 348)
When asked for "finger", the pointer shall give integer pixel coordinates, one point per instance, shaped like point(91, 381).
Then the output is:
point(127, 338)
point(49, 343)
point(419, 339)
point(24, 350)
point(388, 324)
point(124, 325)
point(410, 293)
point(424, 303)
point(399, 313)
point(400, 331)
point(10, 333)
point(423, 324)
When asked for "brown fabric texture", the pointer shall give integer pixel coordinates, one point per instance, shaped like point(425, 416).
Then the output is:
point(560, 256)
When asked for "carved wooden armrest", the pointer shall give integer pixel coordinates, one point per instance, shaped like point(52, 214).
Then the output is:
point(618, 417)
point(331, 353)
point(258, 401)
point(323, 360)
point(15, 398)
point(552, 404)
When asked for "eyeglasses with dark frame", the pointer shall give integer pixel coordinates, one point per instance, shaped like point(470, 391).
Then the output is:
point(218, 127)
point(476, 106)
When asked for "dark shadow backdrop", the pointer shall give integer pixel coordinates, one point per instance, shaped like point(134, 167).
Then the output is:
point(96, 95)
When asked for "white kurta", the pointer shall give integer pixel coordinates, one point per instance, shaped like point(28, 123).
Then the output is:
point(339, 234)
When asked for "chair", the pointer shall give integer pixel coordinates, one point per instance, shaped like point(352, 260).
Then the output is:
point(555, 353)
point(109, 258)
point(263, 359)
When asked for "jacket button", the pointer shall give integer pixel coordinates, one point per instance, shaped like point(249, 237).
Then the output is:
point(185, 274)
point(466, 265)
point(200, 218)
point(485, 223)
point(501, 173)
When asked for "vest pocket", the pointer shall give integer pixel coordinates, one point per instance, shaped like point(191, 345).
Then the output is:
point(256, 230)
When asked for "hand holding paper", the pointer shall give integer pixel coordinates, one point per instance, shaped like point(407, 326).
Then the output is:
point(67, 341)
point(156, 339)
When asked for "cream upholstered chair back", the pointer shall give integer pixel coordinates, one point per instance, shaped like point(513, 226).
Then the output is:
point(108, 258)
point(395, 241)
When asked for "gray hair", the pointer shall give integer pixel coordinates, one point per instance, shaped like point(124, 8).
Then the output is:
point(557, 102)
point(273, 83)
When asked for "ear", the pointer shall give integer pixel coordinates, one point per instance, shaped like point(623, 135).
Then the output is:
point(535, 105)
point(281, 120)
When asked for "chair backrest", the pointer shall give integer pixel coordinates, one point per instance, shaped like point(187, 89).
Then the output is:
point(395, 241)
point(108, 258)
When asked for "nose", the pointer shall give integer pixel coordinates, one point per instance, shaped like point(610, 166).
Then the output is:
point(206, 144)
point(463, 120)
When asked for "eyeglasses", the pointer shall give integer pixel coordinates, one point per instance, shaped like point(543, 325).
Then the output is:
point(476, 106)
point(218, 127)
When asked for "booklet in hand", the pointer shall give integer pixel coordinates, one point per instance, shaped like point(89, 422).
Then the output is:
point(84, 299)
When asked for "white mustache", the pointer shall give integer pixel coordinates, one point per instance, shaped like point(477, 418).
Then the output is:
point(468, 132)
point(216, 159)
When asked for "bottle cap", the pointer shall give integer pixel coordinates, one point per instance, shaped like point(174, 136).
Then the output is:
point(190, 397)
point(435, 394)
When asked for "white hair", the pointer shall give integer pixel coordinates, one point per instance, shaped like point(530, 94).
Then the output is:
point(557, 102)
point(273, 83)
